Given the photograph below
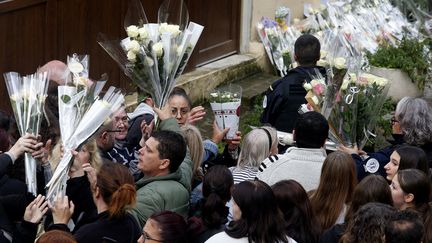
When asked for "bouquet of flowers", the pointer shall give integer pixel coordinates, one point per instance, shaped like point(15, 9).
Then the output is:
point(225, 103)
point(27, 96)
point(316, 89)
point(81, 113)
point(343, 116)
point(278, 42)
point(155, 54)
point(371, 97)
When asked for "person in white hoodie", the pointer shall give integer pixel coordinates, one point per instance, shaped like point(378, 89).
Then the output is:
point(302, 163)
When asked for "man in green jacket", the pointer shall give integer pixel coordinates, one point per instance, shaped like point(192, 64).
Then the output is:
point(167, 167)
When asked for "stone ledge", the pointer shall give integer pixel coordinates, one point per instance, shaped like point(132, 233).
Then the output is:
point(201, 81)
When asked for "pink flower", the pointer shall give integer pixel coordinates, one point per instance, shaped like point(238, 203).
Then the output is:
point(338, 96)
point(319, 89)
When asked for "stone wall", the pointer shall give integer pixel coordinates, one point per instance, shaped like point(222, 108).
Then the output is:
point(267, 8)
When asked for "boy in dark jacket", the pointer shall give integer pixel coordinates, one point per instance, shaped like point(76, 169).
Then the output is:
point(286, 95)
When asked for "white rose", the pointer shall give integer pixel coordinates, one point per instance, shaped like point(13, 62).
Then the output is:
point(133, 46)
point(179, 50)
point(75, 67)
point(149, 61)
point(170, 28)
point(214, 95)
point(339, 63)
point(131, 56)
point(132, 31)
point(323, 54)
point(158, 49)
point(307, 86)
point(322, 63)
point(143, 34)
point(13, 97)
point(314, 82)
point(380, 81)
point(345, 84)
point(353, 77)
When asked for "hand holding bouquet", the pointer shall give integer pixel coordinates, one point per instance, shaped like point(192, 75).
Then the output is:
point(225, 103)
point(27, 95)
point(81, 113)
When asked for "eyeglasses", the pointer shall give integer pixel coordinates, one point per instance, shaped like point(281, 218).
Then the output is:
point(147, 237)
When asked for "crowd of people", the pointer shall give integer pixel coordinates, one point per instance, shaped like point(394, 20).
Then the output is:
point(137, 181)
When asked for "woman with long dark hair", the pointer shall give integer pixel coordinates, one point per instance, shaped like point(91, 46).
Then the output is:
point(300, 221)
point(256, 219)
point(210, 215)
point(411, 189)
point(406, 157)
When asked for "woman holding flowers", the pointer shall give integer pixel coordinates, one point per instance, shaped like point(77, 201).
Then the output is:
point(181, 109)
point(411, 124)
point(113, 193)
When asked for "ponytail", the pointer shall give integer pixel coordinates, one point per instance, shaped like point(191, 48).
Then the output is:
point(120, 200)
point(214, 211)
point(116, 187)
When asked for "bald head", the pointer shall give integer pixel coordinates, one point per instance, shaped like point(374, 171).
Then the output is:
point(57, 70)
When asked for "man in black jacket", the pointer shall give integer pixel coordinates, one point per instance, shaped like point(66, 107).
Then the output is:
point(284, 97)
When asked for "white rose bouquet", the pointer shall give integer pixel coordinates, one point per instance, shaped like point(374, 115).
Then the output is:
point(371, 97)
point(225, 103)
point(81, 113)
point(155, 54)
point(27, 95)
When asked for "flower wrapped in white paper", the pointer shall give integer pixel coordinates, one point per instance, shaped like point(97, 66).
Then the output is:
point(92, 119)
point(80, 114)
point(225, 103)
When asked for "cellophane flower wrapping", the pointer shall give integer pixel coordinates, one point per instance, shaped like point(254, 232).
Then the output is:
point(155, 54)
point(316, 90)
point(371, 97)
point(371, 22)
point(225, 103)
point(278, 41)
point(81, 113)
point(27, 95)
point(343, 116)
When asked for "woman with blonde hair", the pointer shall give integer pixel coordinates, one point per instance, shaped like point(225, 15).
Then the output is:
point(196, 149)
point(78, 185)
point(258, 144)
point(334, 192)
